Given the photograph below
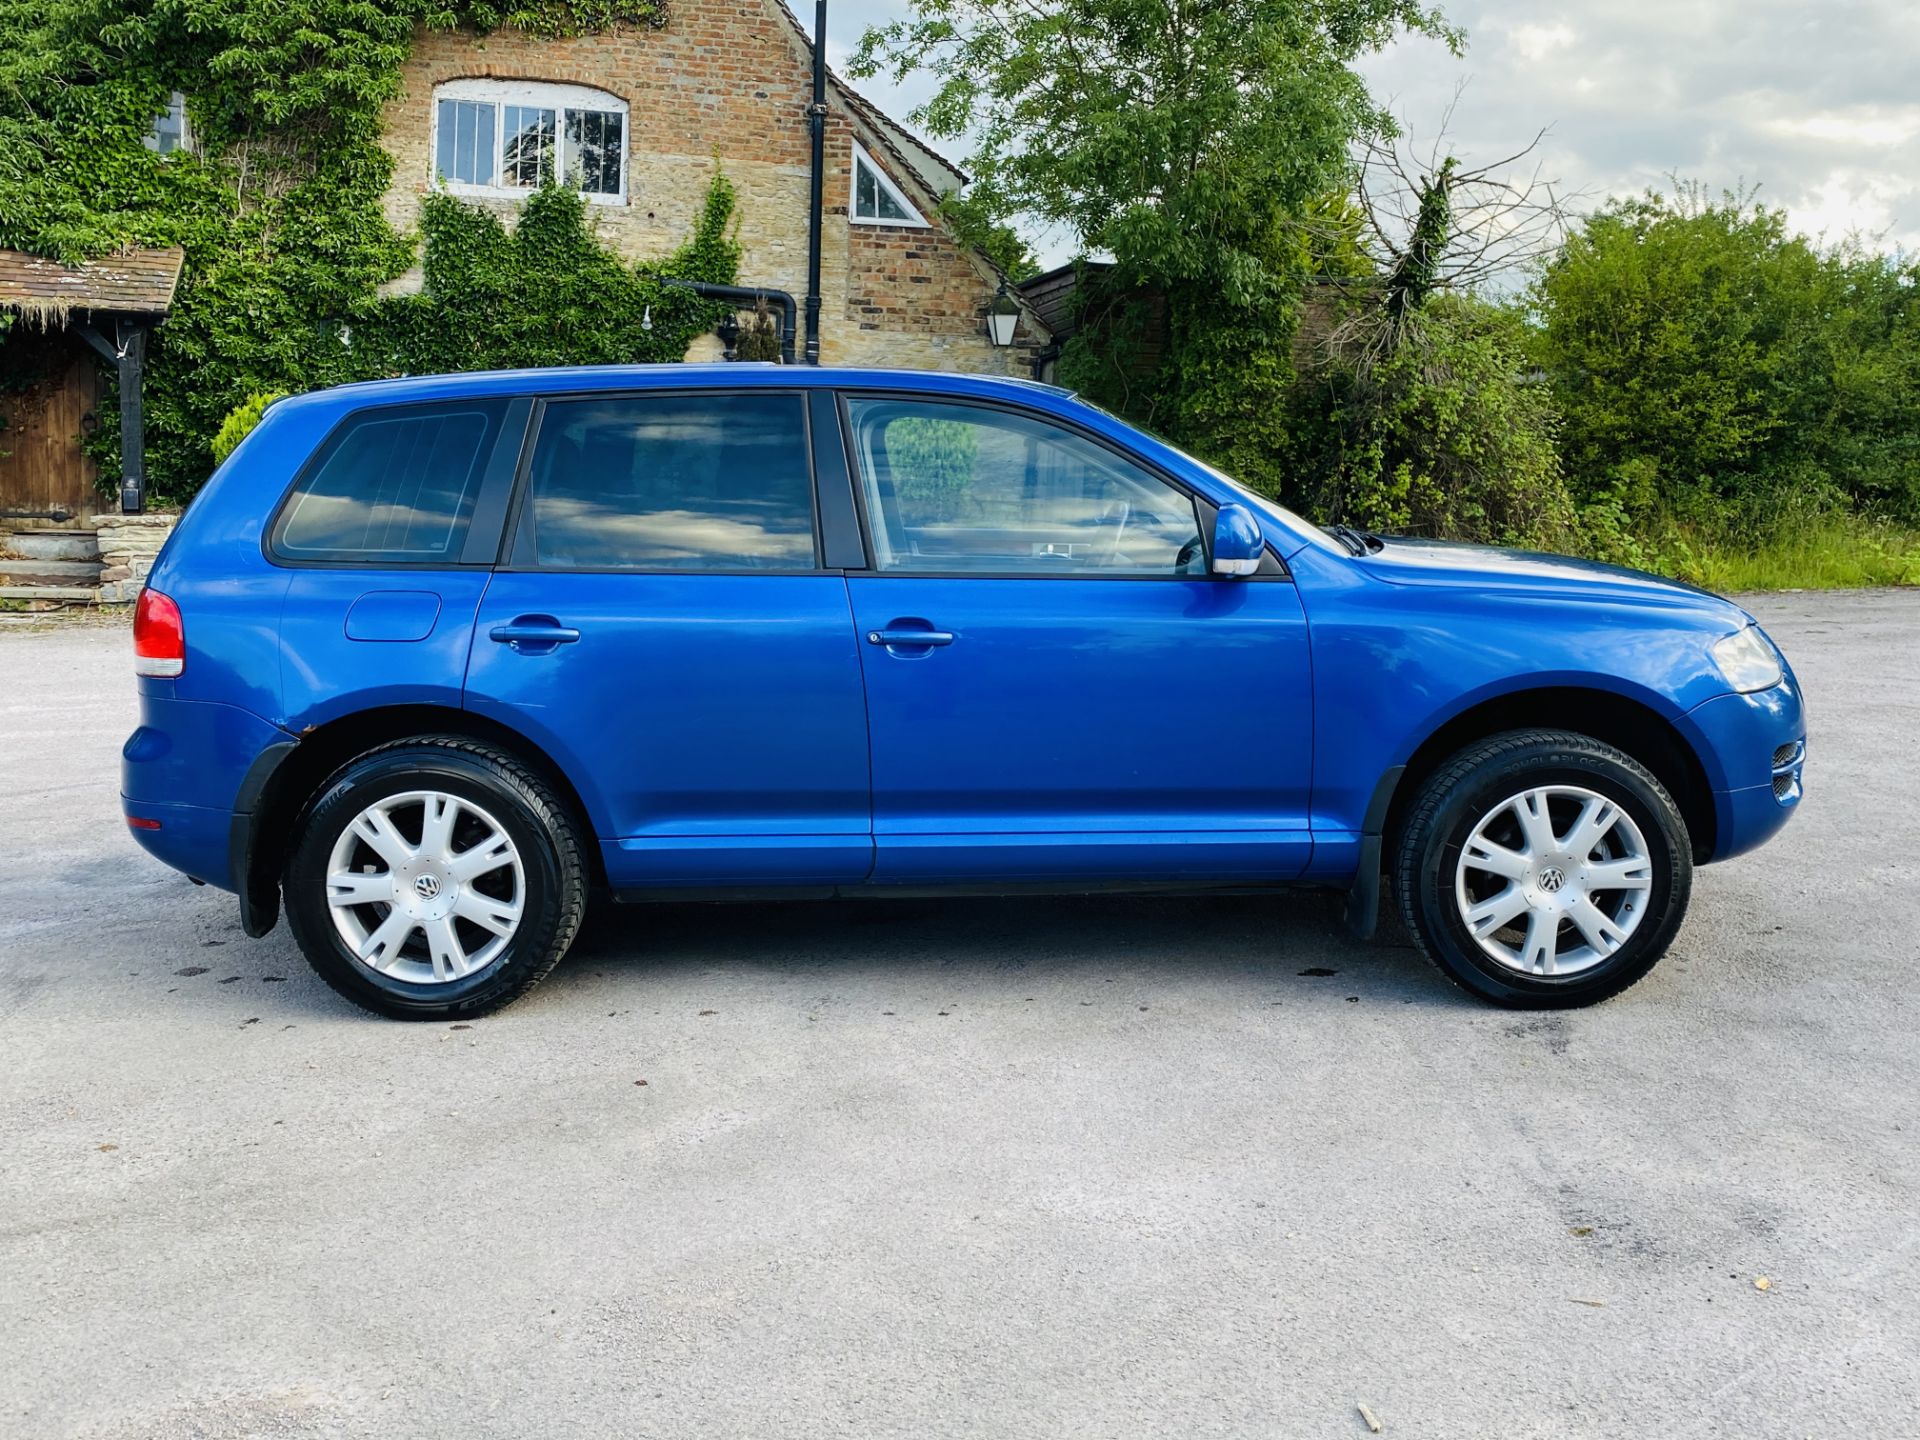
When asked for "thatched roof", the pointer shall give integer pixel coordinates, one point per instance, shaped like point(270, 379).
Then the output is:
point(45, 292)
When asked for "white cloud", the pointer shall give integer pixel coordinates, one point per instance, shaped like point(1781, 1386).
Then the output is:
point(1535, 42)
point(1813, 103)
point(1866, 128)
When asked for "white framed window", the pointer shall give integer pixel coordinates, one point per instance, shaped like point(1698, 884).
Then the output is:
point(876, 200)
point(506, 137)
point(170, 131)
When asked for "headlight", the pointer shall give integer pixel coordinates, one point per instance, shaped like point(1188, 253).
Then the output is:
point(1748, 661)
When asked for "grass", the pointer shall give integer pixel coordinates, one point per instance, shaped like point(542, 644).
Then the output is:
point(1834, 552)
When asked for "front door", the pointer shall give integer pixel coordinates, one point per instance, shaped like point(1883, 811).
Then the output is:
point(1057, 688)
point(665, 631)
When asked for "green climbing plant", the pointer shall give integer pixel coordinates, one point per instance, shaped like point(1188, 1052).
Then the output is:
point(278, 206)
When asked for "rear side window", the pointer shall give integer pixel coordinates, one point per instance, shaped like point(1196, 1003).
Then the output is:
point(670, 482)
point(393, 486)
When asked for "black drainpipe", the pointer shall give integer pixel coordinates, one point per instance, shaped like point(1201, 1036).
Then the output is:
point(817, 125)
point(747, 296)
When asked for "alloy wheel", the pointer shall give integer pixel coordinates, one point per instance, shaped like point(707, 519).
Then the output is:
point(1553, 881)
point(425, 887)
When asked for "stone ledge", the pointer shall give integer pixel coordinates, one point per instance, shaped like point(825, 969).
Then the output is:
point(129, 544)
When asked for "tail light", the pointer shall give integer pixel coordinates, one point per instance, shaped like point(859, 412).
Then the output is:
point(159, 637)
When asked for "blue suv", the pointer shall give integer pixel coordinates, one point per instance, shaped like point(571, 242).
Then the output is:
point(434, 660)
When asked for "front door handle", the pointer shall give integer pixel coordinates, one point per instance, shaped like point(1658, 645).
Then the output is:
point(893, 637)
point(533, 634)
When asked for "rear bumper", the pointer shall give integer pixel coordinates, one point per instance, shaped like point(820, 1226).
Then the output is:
point(190, 838)
point(195, 771)
point(1753, 748)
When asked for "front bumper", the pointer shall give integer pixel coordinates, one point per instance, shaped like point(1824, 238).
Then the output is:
point(1754, 750)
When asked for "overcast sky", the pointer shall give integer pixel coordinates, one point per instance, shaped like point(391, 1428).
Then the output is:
point(1816, 101)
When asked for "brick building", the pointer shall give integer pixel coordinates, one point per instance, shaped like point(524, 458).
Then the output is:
point(640, 117)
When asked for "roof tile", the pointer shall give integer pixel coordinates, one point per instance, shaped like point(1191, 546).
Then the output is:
point(136, 282)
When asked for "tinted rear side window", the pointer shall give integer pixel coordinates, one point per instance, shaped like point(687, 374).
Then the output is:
point(671, 482)
point(391, 487)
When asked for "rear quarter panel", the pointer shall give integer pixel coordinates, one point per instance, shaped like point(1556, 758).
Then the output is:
point(274, 639)
point(229, 596)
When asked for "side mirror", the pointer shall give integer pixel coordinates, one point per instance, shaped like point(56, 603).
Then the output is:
point(1237, 545)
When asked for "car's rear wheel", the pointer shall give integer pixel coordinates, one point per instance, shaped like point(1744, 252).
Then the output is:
point(1543, 869)
point(435, 877)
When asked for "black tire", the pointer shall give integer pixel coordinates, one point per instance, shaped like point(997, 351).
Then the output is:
point(554, 875)
point(1451, 802)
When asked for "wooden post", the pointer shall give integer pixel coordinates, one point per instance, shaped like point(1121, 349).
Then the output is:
point(131, 361)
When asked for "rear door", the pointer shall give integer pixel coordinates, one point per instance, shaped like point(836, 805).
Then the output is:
point(666, 629)
point(1057, 687)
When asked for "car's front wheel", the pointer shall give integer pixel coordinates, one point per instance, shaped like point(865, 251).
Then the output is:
point(1542, 869)
point(435, 877)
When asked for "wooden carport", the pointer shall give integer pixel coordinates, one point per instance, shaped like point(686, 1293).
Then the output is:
point(112, 304)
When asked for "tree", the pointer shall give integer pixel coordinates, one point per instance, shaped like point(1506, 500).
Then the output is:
point(1414, 409)
point(1711, 363)
point(1170, 133)
point(1186, 138)
point(1436, 224)
point(975, 224)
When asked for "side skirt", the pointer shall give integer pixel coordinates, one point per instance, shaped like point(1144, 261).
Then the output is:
point(737, 894)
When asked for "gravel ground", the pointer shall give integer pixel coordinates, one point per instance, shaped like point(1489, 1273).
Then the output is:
point(1120, 1168)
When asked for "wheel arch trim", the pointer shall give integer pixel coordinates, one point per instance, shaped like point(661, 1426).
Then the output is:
point(284, 778)
point(1684, 764)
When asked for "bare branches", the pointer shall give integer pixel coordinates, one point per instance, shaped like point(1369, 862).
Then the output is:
point(1499, 217)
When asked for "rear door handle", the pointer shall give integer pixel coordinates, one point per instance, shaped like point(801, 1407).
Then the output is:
point(533, 634)
point(909, 637)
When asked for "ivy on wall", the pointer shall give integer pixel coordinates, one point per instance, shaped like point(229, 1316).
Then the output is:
point(278, 206)
point(545, 293)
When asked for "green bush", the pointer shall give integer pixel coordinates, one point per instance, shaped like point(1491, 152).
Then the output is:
point(759, 336)
point(1432, 426)
point(1715, 368)
point(240, 422)
point(545, 293)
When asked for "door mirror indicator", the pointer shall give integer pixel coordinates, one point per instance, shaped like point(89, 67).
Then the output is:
point(1237, 543)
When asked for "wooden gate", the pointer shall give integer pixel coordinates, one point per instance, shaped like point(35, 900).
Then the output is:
point(42, 467)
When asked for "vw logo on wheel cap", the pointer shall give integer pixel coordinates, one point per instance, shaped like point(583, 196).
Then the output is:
point(1550, 880)
point(428, 886)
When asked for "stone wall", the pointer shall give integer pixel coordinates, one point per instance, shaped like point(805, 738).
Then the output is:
point(725, 83)
point(128, 546)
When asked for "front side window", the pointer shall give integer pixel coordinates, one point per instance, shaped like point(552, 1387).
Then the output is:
point(670, 482)
point(503, 137)
point(969, 489)
point(391, 487)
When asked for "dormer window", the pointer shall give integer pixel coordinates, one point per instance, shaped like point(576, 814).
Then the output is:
point(876, 199)
point(506, 137)
point(170, 131)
